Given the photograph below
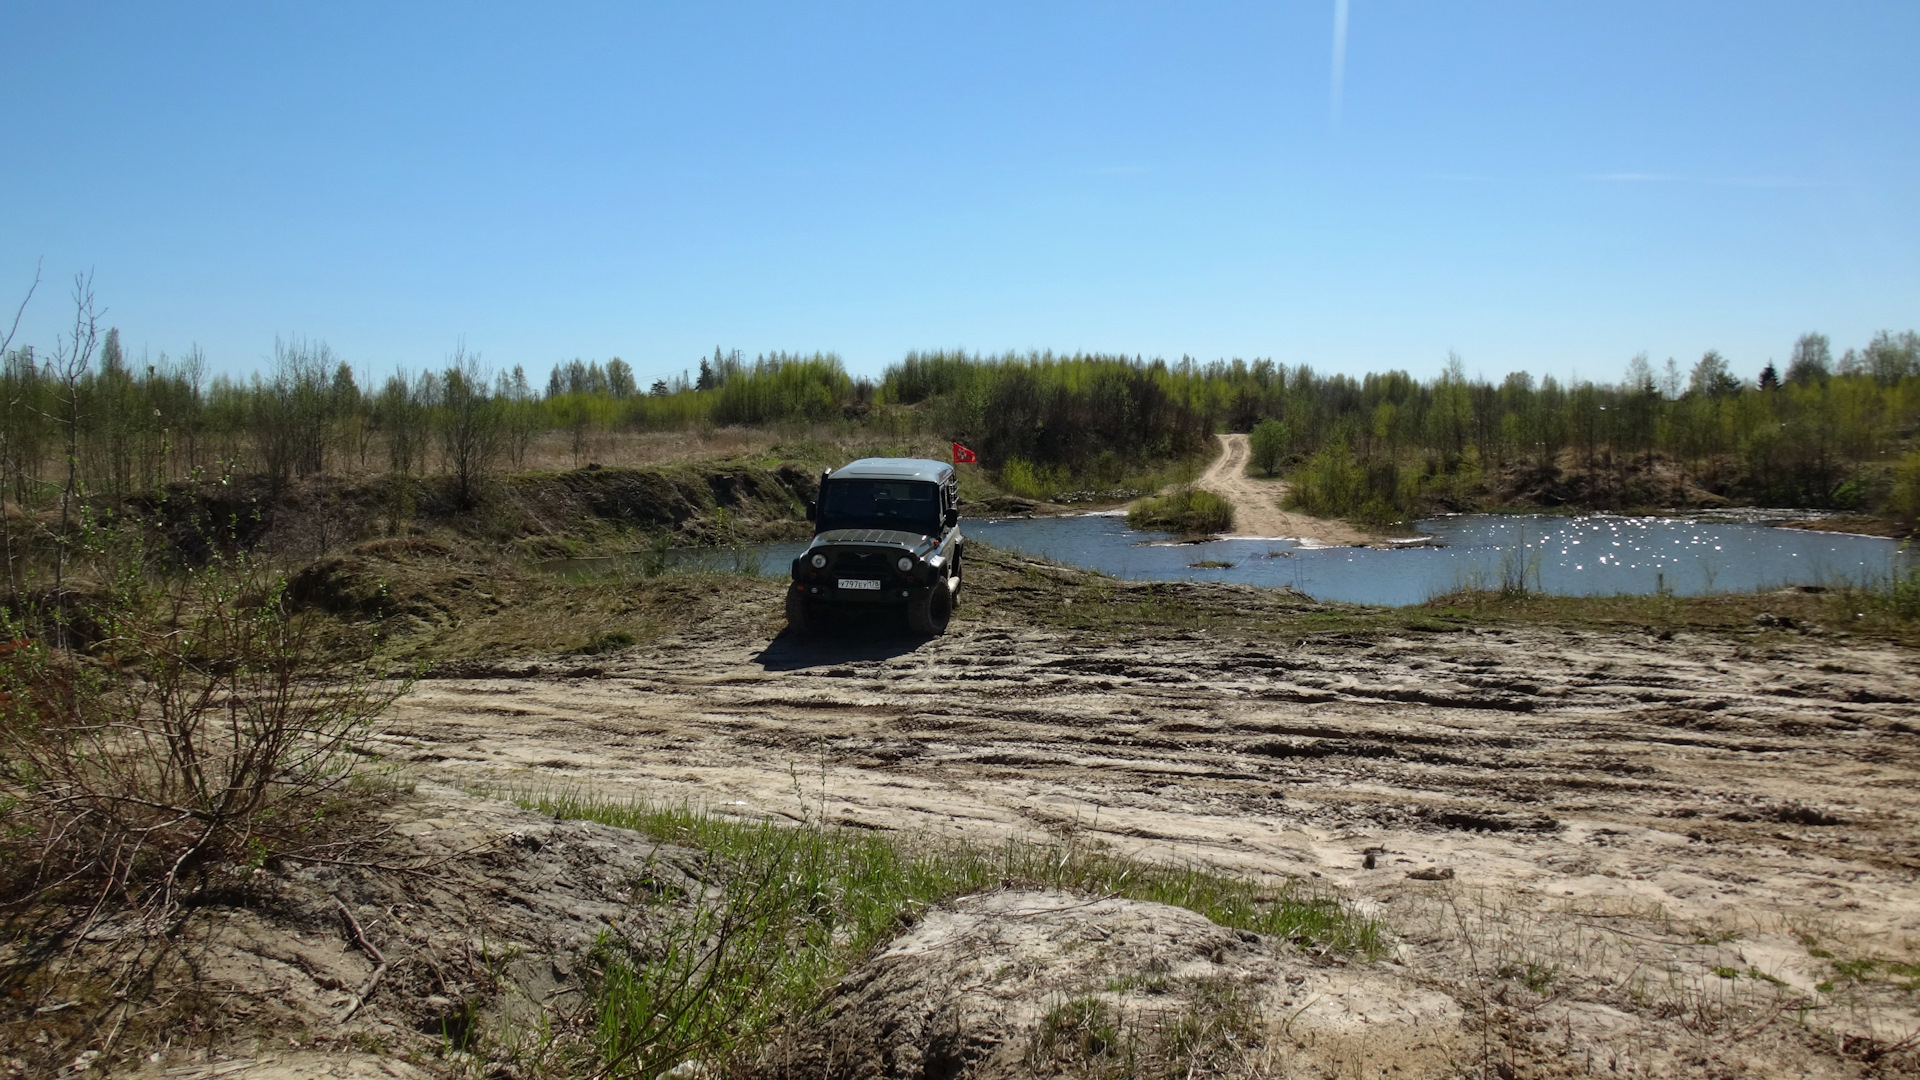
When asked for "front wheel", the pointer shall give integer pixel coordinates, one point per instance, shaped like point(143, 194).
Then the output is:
point(800, 616)
point(928, 615)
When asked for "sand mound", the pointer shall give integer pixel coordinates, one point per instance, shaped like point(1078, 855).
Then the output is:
point(1016, 983)
point(484, 914)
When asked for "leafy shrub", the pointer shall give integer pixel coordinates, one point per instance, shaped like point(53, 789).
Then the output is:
point(1188, 511)
point(605, 642)
point(1331, 483)
point(1030, 481)
point(1901, 596)
point(1268, 444)
point(1903, 502)
point(1334, 483)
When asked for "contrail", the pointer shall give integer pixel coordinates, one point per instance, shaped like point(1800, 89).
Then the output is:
point(1339, 60)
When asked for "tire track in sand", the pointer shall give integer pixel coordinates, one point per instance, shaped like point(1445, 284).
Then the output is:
point(1256, 503)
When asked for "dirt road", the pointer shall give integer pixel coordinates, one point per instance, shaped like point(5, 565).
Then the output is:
point(1256, 503)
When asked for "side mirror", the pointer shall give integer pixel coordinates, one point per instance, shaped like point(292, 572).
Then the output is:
point(953, 517)
point(812, 509)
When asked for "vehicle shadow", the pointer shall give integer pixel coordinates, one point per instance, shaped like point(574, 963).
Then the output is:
point(835, 645)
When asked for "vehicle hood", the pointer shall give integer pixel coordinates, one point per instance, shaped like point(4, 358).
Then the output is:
point(913, 542)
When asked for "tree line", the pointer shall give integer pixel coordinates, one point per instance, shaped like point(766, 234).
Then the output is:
point(1827, 431)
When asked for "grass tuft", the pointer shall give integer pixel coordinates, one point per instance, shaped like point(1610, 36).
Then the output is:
point(1189, 511)
point(607, 641)
point(797, 906)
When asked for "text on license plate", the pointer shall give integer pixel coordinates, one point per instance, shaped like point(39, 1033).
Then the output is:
point(859, 583)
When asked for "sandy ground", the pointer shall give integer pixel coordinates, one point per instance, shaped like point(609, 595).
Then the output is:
point(1613, 808)
point(1578, 764)
point(1256, 503)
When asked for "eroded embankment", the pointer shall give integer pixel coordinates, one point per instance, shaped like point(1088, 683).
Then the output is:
point(550, 513)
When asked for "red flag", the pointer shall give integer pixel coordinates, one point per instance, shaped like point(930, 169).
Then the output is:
point(961, 453)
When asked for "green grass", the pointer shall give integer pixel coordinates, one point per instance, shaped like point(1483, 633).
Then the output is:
point(606, 642)
point(1076, 1030)
point(1189, 511)
point(1882, 610)
point(792, 908)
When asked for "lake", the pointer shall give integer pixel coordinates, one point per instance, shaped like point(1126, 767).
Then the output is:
point(1587, 555)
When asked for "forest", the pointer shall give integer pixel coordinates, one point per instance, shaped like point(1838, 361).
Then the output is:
point(1827, 431)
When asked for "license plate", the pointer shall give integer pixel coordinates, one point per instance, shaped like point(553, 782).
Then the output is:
point(860, 583)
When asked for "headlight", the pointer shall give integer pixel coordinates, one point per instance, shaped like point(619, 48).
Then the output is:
point(819, 562)
point(904, 563)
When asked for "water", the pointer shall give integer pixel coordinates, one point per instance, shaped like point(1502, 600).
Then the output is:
point(1576, 556)
point(1591, 555)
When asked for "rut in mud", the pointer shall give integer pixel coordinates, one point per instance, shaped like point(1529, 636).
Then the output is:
point(1687, 775)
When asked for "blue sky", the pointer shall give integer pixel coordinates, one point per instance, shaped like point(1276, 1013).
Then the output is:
point(1546, 186)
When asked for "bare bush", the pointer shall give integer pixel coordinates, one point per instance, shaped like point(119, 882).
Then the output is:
point(473, 432)
point(193, 741)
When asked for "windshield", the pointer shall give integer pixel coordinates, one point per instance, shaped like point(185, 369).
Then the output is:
point(906, 505)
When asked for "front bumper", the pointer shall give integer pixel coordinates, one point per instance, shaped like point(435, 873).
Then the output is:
point(870, 562)
point(890, 594)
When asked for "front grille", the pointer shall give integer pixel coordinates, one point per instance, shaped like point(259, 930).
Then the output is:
point(870, 561)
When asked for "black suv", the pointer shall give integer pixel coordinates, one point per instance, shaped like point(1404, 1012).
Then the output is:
point(886, 534)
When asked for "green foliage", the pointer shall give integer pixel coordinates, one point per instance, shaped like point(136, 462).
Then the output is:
point(1712, 378)
point(1029, 481)
point(795, 907)
point(1269, 444)
point(1189, 511)
point(606, 641)
point(1079, 1029)
point(1903, 501)
point(1379, 447)
point(1897, 598)
point(783, 387)
point(1333, 483)
point(1098, 418)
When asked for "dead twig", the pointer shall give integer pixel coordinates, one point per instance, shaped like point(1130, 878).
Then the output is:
point(379, 962)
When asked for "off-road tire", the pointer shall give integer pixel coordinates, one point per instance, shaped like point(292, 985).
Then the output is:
point(928, 615)
point(801, 619)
